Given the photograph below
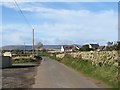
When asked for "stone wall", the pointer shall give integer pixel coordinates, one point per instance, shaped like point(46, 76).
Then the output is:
point(102, 57)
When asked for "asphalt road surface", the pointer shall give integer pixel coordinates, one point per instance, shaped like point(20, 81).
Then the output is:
point(52, 74)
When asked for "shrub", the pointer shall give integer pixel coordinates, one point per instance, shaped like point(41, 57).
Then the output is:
point(25, 60)
point(38, 57)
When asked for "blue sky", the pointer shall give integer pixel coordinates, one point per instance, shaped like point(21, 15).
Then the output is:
point(60, 22)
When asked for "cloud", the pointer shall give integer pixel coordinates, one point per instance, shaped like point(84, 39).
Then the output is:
point(61, 1)
point(63, 26)
point(16, 34)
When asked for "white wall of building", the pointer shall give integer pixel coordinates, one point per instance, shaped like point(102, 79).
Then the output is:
point(62, 49)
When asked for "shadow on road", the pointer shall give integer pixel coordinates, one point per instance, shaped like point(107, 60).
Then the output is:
point(22, 66)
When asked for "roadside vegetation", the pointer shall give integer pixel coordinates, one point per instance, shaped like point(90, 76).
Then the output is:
point(108, 75)
point(22, 59)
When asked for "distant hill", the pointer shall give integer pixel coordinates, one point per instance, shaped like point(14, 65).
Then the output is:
point(15, 47)
point(29, 47)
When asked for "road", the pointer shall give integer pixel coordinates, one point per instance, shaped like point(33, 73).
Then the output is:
point(52, 74)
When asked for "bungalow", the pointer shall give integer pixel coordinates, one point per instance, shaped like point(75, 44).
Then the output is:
point(69, 48)
point(93, 46)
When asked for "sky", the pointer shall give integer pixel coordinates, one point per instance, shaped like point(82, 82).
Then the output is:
point(57, 23)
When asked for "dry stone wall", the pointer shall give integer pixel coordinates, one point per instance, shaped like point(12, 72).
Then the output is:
point(102, 57)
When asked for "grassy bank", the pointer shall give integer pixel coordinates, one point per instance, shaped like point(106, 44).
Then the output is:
point(108, 75)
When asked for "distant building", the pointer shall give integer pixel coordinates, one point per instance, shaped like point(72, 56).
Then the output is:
point(110, 44)
point(54, 50)
point(93, 46)
point(69, 48)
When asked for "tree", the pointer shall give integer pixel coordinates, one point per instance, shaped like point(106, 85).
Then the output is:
point(39, 46)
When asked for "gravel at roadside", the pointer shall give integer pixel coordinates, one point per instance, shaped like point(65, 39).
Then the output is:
point(21, 76)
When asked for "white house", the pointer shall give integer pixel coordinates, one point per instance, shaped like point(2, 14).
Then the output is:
point(62, 49)
point(93, 46)
point(69, 48)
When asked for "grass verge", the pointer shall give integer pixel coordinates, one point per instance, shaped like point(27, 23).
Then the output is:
point(108, 75)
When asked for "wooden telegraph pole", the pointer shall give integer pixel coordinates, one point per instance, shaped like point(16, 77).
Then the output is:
point(24, 48)
point(33, 43)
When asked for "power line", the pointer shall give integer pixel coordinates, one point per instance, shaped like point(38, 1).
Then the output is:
point(23, 15)
point(27, 23)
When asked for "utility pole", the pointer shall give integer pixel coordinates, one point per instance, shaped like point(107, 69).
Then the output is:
point(33, 43)
point(24, 48)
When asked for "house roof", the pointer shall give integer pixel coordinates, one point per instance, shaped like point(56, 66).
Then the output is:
point(94, 45)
